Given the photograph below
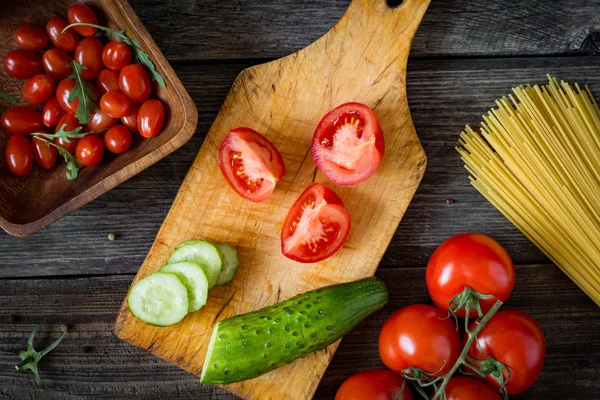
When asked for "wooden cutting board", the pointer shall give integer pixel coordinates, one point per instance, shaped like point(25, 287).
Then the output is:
point(363, 58)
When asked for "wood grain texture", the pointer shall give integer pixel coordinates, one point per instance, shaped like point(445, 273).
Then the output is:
point(363, 58)
point(92, 363)
point(466, 28)
point(40, 198)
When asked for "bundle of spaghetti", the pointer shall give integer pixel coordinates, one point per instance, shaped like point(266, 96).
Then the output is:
point(536, 158)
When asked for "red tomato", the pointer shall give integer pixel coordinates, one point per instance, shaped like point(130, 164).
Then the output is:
point(463, 388)
point(150, 118)
point(19, 155)
point(67, 41)
point(52, 112)
point(21, 120)
point(99, 121)
point(29, 37)
point(117, 139)
point(38, 89)
point(57, 64)
point(81, 13)
point(249, 162)
point(348, 144)
point(22, 64)
point(135, 83)
point(316, 226)
point(70, 123)
point(90, 150)
point(45, 154)
point(116, 104)
point(130, 120)
point(63, 90)
point(374, 384)
point(107, 80)
point(516, 340)
point(116, 55)
point(419, 336)
point(89, 54)
point(474, 260)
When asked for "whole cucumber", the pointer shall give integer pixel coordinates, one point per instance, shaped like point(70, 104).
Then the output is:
point(249, 345)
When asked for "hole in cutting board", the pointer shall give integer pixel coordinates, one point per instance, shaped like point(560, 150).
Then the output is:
point(394, 3)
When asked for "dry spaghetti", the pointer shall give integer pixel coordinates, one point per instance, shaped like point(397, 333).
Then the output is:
point(537, 160)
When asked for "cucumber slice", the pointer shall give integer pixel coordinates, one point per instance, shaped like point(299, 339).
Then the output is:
point(230, 263)
point(193, 278)
point(202, 253)
point(159, 299)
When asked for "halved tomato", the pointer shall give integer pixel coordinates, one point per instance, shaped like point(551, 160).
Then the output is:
point(348, 144)
point(316, 226)
point(250, 163)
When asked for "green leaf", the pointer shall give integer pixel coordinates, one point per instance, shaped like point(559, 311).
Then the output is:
point(30, 357)
point(72, 163)
point(83, 91)
point(7, 97)
point(67, 136)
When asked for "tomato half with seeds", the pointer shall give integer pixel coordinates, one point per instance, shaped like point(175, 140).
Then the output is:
point(463, 388)
point(22, 64)
point(30, 37)
point(81, 13)
point(348, 144)
point(57, 64)
point(374, 384)
point(19, 155)
point(250, 163)
point(89, 54)
point(38, 89)
point(52, 112)
point(21, 120)
point(316, 226)
point(45, 154)
point(67, 41)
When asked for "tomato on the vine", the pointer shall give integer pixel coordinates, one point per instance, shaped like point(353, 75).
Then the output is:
point(67, 41)
point(516, 340)
point(115, 104)
point(419, 336)
point(150, 118)
point(81, 13)
point(30, 37)
point(374, 384)
point(90, 150)
point(117, 139)
point(57, 64)
point(22, 64)
point(38, 89)
point(21, 120)
point(107, 80)
point(89, 54)
point(463, 388)
point(116, 55)
point(52, 112)
point(19, 155)
point(135, 83)
point(45, 154)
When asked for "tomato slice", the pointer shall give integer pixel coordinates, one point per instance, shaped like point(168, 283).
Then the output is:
point(316, 226)
point(250, 163)
point(348, 144)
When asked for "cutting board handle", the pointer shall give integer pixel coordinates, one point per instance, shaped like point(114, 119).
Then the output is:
point(407, 15)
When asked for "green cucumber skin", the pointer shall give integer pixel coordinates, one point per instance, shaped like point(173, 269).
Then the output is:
point(249, 345)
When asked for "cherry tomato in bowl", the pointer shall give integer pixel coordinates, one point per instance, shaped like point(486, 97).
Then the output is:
point(463, 388)
point(81, 13)
point(316, 226)
point(250, 163)
point(57, 64)
point(69, 122)
point(100, 121)
point(52, 112)
point(67, 41)
point(30, 37)
point(45, 154)
point(63, 91)
point(348, 144)
point(21, 120)
point(38, 89)
point(19, 155)
point(107, 80)
point(116, 55)
point(130, 120)
point(116, 104)
point(374, 384)
point(90, 150)
point(150, 118)
point(89, 54)
point(474, 260)
point(22, 64)
point(135, 83)
point(117, 139)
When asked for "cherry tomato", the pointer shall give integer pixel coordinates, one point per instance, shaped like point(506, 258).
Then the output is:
point(516, 340)
point(89, 54)
point(474, 260)
point(67, 41)
point(463, 388)
point(38, 89)
point(57, 64)
point(70, 123)
point(29, 37)
point(21, 120)
point(316, 226)
point(419, 336)
point(22, 64)
point(150, 118)
point(81, 13)
point(116, 55)
point(19, 155)
point(130, 120)
point(90, 150)
point(45, 154)
point(374, 384)
point(63, 90)
point(52, 112)
point(117, 139)
point(348, 144)
point(99, 121)
point(107, 80)
point(135, 83)
point(250, 163)
point(116, 104)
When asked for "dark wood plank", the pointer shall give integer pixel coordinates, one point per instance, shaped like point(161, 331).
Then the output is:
point(91, 362)
point(443, 96)
point(223, 30)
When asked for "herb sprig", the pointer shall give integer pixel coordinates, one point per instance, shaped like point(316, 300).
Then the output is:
point(83, 91)
point(139, 55)
point(30, 357)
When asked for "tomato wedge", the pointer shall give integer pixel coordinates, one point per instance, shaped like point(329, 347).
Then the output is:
point(348, 144)
point(250, 163)
point(316, 226)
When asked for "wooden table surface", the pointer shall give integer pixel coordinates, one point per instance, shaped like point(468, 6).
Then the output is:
point(466, 54)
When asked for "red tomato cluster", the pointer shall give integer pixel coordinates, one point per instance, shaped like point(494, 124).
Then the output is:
point(347, 147)
point(122, 93)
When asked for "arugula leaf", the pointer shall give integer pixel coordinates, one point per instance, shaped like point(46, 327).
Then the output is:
point(64, 135)
point(7, 97)
point(83, 91)
point(30, 357)
point(139, 55)
point(72, 163)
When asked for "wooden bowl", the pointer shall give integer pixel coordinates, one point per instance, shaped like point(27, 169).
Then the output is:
point(34, 201)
